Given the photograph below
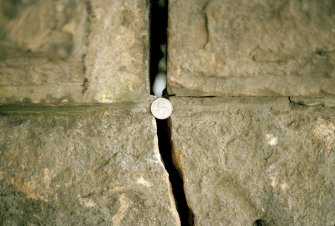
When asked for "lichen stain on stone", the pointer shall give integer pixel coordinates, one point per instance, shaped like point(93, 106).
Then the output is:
point(29, 188)
point(276, 182)
point(325, 132)
point(117, 188)
point(284, 186)
point(89, 203)
point(125, 203)
point(32, 186)
point(47, 177)
point(144, 182)
point(271, 139)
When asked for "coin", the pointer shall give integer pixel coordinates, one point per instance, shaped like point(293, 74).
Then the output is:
point(161, 108)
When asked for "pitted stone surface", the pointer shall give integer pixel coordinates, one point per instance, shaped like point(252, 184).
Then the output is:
point(42, 45)
point(245, 159)
point(82, 166)
point(251, 48)
point(73, 51)
point(118, 52)
point(314, 101)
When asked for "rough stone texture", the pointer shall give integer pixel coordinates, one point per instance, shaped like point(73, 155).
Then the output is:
point(253, 48)
point(245, 159)
point(82, 166)
point(313, 101)
point(118, 51)
point(73, 51)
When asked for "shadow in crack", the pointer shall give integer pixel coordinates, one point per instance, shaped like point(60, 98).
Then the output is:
point(158, 35)
point(165, 147)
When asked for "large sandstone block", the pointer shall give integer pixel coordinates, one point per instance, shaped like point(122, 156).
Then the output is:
point(247, 160)
point(73, 51)
point(82, 166)
point(254, 48)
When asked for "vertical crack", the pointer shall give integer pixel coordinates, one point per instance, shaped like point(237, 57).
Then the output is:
point(89, 11)
point(158, 41)
point(176, 180)
point(158, 36)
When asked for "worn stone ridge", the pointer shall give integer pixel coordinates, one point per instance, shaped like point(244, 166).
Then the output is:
point(314, 101)
point(75, 109)
point(251, 48)
point(84, 167)
point(251, 160)
point(73, 51)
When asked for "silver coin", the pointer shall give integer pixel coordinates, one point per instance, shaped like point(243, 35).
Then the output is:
point(161, 108)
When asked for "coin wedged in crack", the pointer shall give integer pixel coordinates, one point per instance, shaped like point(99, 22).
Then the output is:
point(161, 108)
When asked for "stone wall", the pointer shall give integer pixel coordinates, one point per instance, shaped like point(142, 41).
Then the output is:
point(245, 159)
point(253, 129)
point(254, 48)
point(252, 133)
point(73, 51)
point(82, 166)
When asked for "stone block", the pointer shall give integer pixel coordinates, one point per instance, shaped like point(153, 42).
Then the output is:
point(251, 48)
point(82, 166)
point(255, 161)
point(73, 51)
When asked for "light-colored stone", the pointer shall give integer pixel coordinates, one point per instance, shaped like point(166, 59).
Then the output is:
point(118, 50)
point(82, 166)
point(245, 159)
point(251, 48)
point(73, 51)
point(314, 101)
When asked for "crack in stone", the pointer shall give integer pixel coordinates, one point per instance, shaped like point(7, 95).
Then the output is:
point(205, 16)
point(158, 38)
point(176, 179)
point(89, 11)
point(312, 101)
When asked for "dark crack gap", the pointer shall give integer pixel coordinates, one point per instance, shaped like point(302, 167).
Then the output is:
point(158, 35)
point(176, 180)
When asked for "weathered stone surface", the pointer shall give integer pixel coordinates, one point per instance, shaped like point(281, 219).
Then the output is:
point(253, 48)
point(73, 51)
point(314, 101)
point(118, 51)
point(245, 159)
point(82, 166)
